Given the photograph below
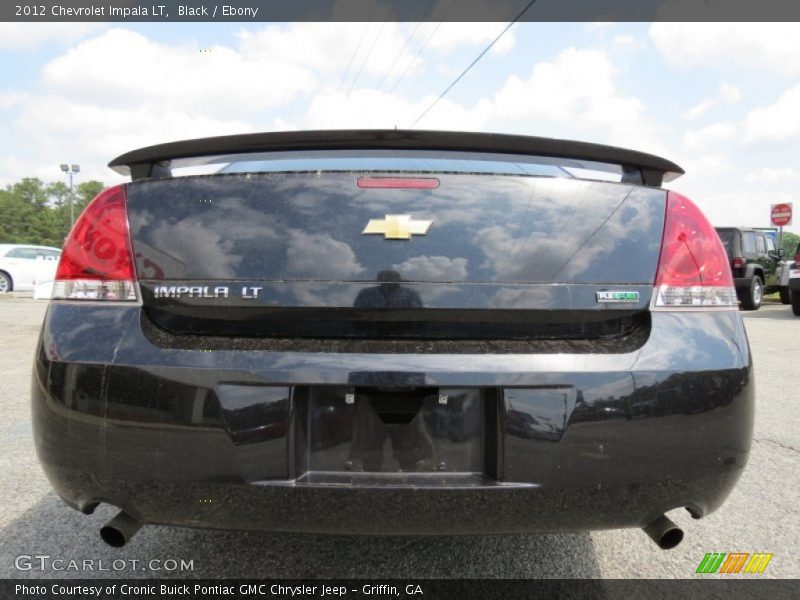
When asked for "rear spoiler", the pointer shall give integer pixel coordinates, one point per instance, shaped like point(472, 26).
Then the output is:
point(155, 161)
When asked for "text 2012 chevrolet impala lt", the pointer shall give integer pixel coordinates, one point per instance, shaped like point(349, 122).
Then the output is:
point(396, 332)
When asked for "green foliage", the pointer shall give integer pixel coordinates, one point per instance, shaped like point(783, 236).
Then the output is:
point(32, 212)
point(790, 242)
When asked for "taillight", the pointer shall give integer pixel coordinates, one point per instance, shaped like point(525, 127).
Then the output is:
point(96, 262)
point(738, 262)
point(797, 260)
point(693, 269)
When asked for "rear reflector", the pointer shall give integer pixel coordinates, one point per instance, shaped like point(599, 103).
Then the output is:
point(693, 270)
point(403, 183)
point(96, 263)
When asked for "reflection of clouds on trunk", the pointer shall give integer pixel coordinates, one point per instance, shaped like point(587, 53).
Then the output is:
point(218, 238)
point(319, 256)
point(486, 228)
point(309, 294)
point(433, 268)
point(577, 237)
point(211, 254)
point(518, 297)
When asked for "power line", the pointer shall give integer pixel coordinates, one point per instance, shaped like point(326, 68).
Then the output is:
point(366, 58)
point(371, 48)
point(472, 64)
point(424, 45)
point(358, 47)
point(396, 58)
point(349, 64)
point(416, 56)
point(408, 41)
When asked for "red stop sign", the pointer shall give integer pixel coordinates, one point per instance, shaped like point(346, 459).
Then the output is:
point(781, 214)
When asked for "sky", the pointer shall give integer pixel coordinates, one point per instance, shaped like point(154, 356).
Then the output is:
point(721, 100)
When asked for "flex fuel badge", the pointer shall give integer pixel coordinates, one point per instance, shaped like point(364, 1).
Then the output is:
point(615, 296)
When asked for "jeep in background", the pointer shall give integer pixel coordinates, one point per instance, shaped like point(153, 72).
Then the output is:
point(755, 262)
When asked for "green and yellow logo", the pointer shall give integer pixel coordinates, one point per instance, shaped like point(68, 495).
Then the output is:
point(734, 562)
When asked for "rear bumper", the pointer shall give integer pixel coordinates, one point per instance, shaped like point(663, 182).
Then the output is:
point(254, 440)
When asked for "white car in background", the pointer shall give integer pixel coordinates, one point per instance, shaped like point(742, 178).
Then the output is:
point(24, 267)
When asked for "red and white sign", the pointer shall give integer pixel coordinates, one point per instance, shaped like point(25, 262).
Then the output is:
point(781, 214)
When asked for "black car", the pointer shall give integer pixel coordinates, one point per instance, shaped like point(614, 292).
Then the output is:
point(397, 332)
point(754, 260)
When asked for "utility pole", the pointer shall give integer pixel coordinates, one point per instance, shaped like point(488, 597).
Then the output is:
point(71, 170)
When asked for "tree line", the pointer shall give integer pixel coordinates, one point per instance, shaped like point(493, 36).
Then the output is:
point(33, 212)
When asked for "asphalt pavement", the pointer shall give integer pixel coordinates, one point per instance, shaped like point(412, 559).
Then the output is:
point(761, 515)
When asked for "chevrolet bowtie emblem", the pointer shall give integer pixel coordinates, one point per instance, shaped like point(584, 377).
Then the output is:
point(397, 227)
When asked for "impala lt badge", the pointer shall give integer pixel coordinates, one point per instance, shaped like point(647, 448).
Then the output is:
point(397, 227)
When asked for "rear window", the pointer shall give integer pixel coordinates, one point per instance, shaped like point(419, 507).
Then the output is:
point(27, 253)
point(748, 242)
point(727, 236)
point(388, 161)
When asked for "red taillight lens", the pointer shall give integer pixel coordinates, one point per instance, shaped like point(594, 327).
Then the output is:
point(402, 183)
point(96, 262)
point(797, 260)
point(693, 270)
point(738, 262)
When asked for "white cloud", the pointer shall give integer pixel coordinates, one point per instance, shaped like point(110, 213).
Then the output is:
point(728, 93)
point(699, 109)
point(121, 89)
point(365, 108)
point(576, 92)
point(739, 207)
point(319, 256)
point(56, 129)
point(327, 48)
point(450, 36)
point(122, 68)
point(624, 41)
point(707, 164)
point(716, 132)
point(578, 84)
point(758, 46)
point(776, 122)
point(27, 36)
point(773, 175)
point(11, 99)
point(433, 268)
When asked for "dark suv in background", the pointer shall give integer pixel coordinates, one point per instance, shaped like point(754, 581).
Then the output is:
point(754, 262)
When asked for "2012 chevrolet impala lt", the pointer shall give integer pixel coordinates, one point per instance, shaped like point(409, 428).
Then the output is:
point(395, 332)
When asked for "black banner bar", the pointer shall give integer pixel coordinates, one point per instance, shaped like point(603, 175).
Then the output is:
point(398, 10)
point(714, 586)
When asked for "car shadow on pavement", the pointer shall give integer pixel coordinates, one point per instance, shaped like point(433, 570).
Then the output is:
point(50, 528)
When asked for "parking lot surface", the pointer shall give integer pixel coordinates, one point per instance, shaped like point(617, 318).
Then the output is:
point(761, 515)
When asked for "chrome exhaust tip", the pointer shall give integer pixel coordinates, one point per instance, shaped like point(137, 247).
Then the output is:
point(664, 533)
point(119, 530)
